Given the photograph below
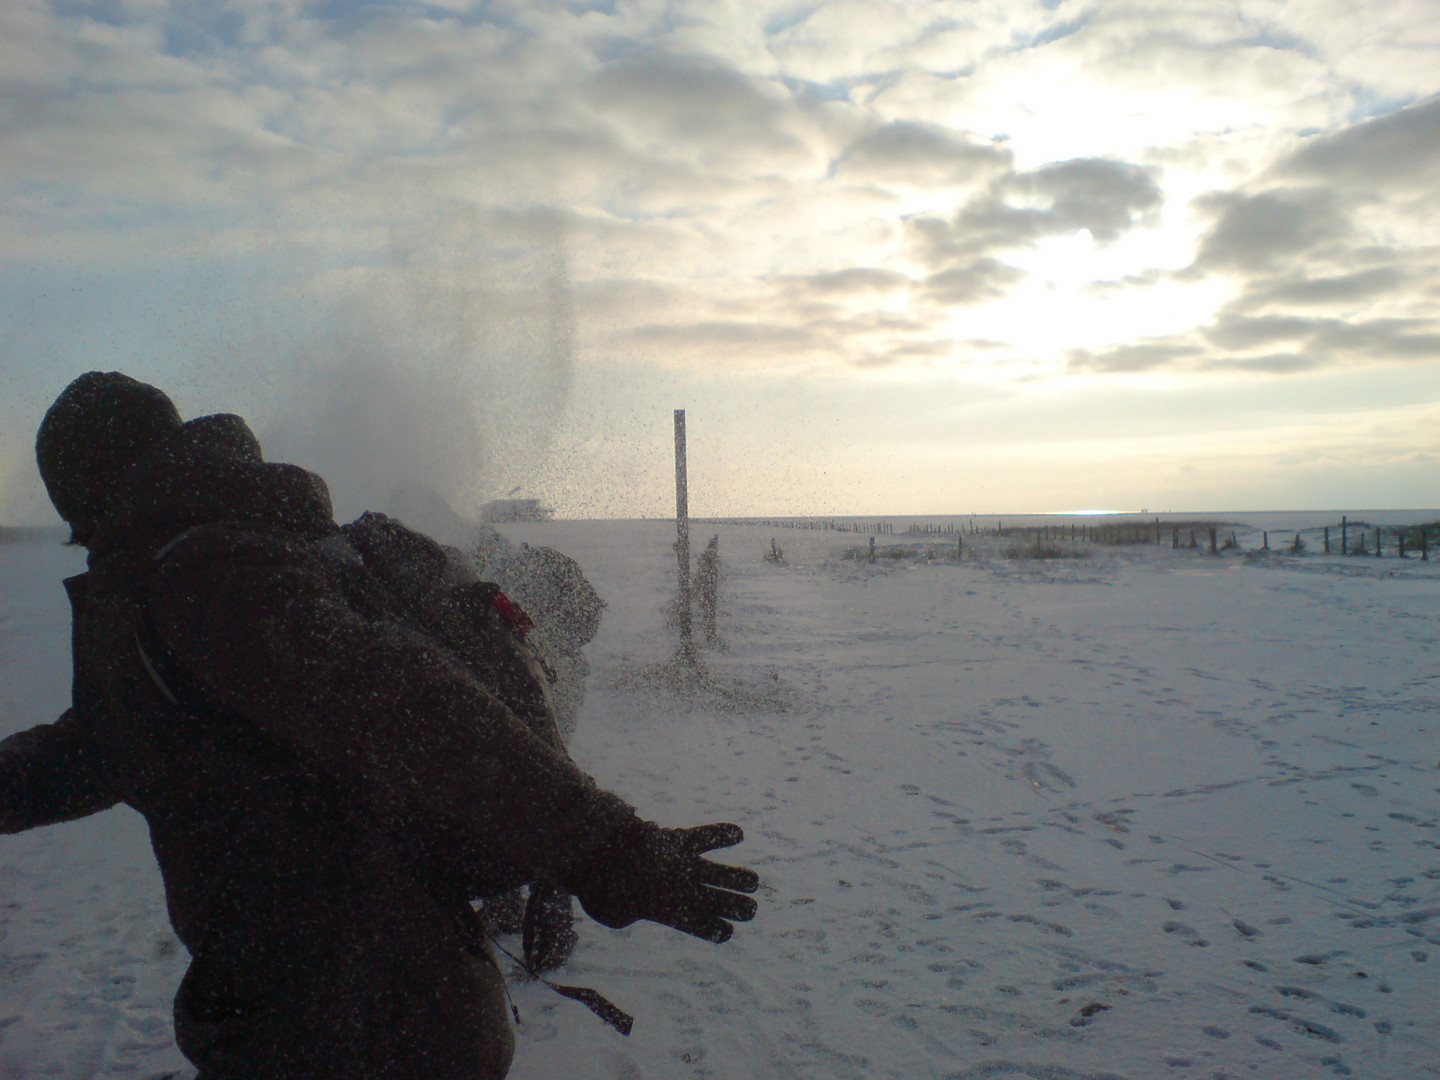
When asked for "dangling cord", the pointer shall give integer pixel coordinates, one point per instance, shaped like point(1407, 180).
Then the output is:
point(596, 1002)
point(593, 1000)
point(489, 959)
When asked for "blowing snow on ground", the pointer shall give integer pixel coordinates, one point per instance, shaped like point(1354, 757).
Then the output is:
point(1147, 813)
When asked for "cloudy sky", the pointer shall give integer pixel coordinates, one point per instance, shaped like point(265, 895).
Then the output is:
point(935, 256)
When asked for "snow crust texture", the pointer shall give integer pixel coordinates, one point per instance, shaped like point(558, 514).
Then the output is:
point(1147, 813)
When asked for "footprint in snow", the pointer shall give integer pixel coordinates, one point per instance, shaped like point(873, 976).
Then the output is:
point(1187, 934)
point(1043, 775)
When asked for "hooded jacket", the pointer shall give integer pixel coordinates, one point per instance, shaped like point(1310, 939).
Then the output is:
point(324, 788)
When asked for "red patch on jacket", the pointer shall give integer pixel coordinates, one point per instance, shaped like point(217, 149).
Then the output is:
point(512, 613)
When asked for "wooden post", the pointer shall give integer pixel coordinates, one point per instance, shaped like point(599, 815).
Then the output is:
point(1424, 546)
point(682, 539)
point(1264, 541)
point(1344, 536)
point(1327, 539)
point(1377, 543)
point(1214, 545)
point(872, 549)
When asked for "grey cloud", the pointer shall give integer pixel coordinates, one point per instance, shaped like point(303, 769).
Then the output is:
point(920, 155)
point(868, 324)
point(1314, 343)
point(1106, 197)
point(1302, 291)
point(935, 241)
point(1252, 232)
point(1415, 346)
point(1379, 339)
point(1131, 358)
point(856, 280)
point(1240, 333)
point(766, 339)
point(923, 351)
point(1270, 364)
point(698, 100)
point(981, 279)
point(1399, 149)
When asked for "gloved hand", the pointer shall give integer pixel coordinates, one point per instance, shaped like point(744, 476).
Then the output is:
point(647, 872)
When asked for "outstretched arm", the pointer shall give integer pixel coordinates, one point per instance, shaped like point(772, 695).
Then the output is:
point(51, 773)
point(255, 619)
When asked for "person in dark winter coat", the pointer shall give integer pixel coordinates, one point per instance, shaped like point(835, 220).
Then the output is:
point(326, 790)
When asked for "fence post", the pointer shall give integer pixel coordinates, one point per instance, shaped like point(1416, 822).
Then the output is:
point(682, 539)
point(1344, 536)
point(1214, 545)
point(707, 568)
point(1327, 539)
point(872, 549)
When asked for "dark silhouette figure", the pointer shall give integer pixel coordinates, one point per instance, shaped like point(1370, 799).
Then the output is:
point(327, 789)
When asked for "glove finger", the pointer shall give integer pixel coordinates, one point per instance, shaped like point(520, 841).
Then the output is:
point(704, 926)
point(722, 876)
point(729, 905)
point(703, 838)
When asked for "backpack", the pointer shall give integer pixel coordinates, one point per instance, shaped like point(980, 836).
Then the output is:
point(434, 590)
point(551, 586)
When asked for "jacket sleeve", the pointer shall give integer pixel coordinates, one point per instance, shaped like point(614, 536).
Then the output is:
point(255, 621)
point(52, 773)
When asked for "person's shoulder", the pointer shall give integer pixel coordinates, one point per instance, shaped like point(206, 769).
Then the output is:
point(227, 547)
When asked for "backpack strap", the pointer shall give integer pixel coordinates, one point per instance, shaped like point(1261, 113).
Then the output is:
point(174, 684)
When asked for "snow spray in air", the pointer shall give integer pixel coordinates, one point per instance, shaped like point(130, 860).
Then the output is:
point(443, 370)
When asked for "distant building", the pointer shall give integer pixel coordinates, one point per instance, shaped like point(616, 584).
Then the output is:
point(501, 510)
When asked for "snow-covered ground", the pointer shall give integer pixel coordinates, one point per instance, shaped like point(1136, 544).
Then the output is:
point(1148, 813)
